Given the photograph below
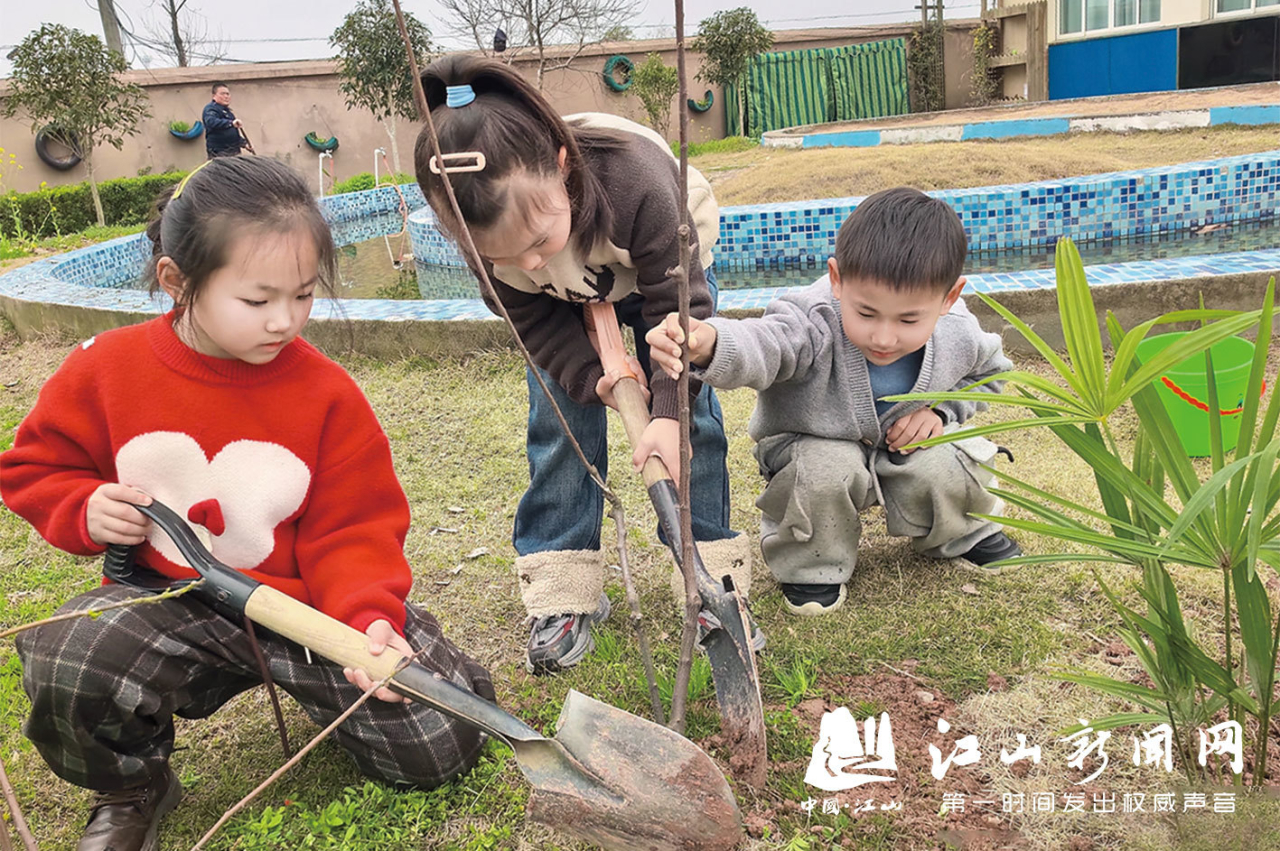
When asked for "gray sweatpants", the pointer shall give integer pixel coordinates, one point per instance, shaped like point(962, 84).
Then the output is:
point(809, 527)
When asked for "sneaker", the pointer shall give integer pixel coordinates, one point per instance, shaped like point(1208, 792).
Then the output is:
point(128, 820)
point(990, 549)
point(812, 600)
point(708, 622)
point(557, 642)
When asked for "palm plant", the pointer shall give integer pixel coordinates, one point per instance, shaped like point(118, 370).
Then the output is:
point(1225, 522)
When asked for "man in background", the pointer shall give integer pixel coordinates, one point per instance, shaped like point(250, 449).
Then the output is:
point(222, 135)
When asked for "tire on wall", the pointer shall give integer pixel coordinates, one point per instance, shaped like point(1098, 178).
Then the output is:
point(48, 134)
point(193, 132)
point(612, 64)
point(703, 105)
point(318, 144)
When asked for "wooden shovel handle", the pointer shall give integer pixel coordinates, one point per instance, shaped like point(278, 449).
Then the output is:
point(349, 648)
point(626, 391)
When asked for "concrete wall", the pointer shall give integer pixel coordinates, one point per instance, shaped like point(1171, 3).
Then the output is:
point(280, 103)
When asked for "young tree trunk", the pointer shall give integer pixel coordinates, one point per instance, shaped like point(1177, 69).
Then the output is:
point(741, 106)
point(389, 124)
point(93, 184)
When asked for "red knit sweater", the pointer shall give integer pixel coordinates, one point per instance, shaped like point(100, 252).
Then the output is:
point(283, 464)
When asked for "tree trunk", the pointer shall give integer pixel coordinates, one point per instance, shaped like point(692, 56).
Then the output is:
point(93, 183)
point(742, 105)
point(389, 124)
point(177, 37)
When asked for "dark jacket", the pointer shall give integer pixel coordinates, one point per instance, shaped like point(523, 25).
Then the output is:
point(221, 136)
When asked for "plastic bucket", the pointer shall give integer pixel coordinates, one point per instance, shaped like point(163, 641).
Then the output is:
point(1185, 393)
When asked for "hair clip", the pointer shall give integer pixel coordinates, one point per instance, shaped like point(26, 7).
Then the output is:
point(456, 96)
point(477, 162)
point(182, 184)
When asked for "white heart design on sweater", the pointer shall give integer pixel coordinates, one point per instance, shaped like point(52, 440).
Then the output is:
point(257, 485)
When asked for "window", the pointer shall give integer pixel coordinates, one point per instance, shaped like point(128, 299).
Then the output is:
point(1071, 16)
point(1096, 13)
point(1091, 15)
point(1244, 5)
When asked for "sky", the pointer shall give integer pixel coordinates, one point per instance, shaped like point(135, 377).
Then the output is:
point(266, 30)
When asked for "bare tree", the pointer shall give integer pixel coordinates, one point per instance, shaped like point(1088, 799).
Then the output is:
point(537, 25)
point(182, 34)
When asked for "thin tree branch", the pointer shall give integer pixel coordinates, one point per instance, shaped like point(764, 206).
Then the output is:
point(15, 812)
point(633, 601)
point(93, 613)
point(692, 602)
point(296, 758)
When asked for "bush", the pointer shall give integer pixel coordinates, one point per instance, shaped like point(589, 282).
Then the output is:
point(364, 180)
point(731, 145)
point(55, 210)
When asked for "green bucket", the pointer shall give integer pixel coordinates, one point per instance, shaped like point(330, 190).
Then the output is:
point(1185, 393)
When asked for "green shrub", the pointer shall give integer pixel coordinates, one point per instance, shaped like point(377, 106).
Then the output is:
point(179, 126)
point(731, 145)
point(364, 180)
point(55, 210)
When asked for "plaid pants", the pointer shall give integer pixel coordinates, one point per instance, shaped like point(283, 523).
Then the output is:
point(104, 691)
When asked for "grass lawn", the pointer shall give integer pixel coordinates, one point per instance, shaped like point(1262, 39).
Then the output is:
point(919, 639)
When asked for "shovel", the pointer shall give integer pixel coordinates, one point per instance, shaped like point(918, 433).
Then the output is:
point(607, 776)
point(728, 647)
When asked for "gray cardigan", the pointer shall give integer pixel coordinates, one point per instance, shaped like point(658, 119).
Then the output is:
point(812, 380)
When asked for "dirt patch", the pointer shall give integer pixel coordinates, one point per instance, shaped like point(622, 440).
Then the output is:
point(911, 800)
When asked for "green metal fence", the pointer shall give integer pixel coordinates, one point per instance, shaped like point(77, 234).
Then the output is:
point(798, 87)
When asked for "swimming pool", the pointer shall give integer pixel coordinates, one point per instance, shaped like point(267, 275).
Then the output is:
point(1133, 226)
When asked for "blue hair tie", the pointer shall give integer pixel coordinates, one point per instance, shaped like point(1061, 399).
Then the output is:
point(456, 96)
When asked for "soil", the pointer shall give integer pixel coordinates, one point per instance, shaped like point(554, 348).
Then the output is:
point(1253, 94)
point(914, 707)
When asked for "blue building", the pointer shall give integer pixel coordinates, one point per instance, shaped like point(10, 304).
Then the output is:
point(1109, 47)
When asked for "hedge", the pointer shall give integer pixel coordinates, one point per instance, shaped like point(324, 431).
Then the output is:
point(67, 209)
point(364, 180)
point(125, 201)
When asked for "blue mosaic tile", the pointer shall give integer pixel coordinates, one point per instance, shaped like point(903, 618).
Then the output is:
point(1087, 209)
point(789, 237)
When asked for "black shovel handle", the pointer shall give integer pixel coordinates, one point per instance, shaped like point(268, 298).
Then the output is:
point(332, 639)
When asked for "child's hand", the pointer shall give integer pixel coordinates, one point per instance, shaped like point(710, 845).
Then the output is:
point(604, 387)
point(381, 636)
point(915, 426)
point(111, 517)
point(664, 341)
point(662, 438)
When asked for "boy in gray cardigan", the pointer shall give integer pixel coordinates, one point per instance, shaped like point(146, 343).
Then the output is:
point(886, 319)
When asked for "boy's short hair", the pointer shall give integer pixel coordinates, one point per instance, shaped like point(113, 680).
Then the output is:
point(219, 85)
point(903, 239)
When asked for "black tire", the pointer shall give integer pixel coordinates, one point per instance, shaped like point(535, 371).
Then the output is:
point(60, 163)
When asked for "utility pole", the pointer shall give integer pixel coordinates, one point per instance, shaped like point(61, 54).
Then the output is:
point(942, 58)
point(110, 25)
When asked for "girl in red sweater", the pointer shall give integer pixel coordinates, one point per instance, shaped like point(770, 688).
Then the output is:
point(220, 410)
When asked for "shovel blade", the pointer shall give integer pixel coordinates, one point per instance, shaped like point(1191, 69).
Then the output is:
point(733, 668)
point(729, 650)
point(654, 789)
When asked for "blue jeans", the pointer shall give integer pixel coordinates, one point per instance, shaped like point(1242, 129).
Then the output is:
point(563, 509)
